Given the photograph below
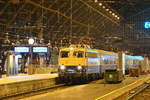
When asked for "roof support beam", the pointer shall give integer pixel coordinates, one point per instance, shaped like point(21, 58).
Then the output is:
point(15, 15)
point(57, 12)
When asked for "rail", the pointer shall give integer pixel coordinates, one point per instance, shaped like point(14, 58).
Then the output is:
point(139, 91)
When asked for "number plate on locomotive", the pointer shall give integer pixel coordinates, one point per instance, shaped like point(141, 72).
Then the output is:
point(71, 71)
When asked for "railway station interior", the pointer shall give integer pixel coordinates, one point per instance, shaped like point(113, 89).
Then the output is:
point(74, 49)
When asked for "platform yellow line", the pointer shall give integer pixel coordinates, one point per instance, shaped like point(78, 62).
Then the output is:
point(117, 90)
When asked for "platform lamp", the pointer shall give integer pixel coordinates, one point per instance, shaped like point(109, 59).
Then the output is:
point(31, 42)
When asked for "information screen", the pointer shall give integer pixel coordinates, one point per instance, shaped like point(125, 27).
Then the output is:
point(40, 49)
point(147, 25)
point(22, 49)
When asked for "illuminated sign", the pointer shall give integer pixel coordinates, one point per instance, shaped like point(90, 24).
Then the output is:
point(19, 56)
point(147, 25)
point(39, 49)
point(22, 49)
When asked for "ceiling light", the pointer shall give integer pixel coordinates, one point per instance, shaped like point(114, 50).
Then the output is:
point(31, 41)
point(104, 7)
point(96, 1)
point(116, 16)
point(100, 4)
point(107, 9)
point(110, 12)
point(113, 14)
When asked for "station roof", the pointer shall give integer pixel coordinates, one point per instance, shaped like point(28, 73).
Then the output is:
point(62, 22)
point(128, 8)
point(134, 15)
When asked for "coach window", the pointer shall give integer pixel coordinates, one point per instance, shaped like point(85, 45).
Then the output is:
point(78, 54)
point(64, 54)
point(107, 59)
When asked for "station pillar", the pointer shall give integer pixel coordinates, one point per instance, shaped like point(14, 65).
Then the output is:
point(30, 68)
point(12, 65)
point(121, 62)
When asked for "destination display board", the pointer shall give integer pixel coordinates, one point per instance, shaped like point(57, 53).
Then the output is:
point(22, 49)
point(40, 49)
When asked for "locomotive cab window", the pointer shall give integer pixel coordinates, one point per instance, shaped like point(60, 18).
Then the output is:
point(64, 54)
point(78, 54)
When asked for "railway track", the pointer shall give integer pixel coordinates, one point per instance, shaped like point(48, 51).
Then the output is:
point(142, 94)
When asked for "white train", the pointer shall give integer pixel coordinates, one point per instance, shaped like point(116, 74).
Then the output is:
point(82, 63)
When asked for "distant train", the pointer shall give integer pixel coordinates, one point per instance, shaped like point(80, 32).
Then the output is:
point(133, 62)
point(78, 63)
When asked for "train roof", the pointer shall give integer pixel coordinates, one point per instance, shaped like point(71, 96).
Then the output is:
point(68, 49)
point(134, 57)
point(76, 47)
point(90, 50)
point(107, 52)
point(80, 49)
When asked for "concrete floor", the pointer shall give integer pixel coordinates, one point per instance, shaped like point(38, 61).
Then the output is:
point(25, 77)
point(89, 91)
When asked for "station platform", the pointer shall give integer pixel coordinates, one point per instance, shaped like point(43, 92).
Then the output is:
point(23, 83)
point(25, 77)
point(96, 90)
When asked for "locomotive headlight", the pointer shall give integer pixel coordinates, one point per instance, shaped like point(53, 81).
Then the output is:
point(62, 67)
point(79, 67)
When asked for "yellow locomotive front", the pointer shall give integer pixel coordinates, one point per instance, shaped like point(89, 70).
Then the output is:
point(72, 63)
